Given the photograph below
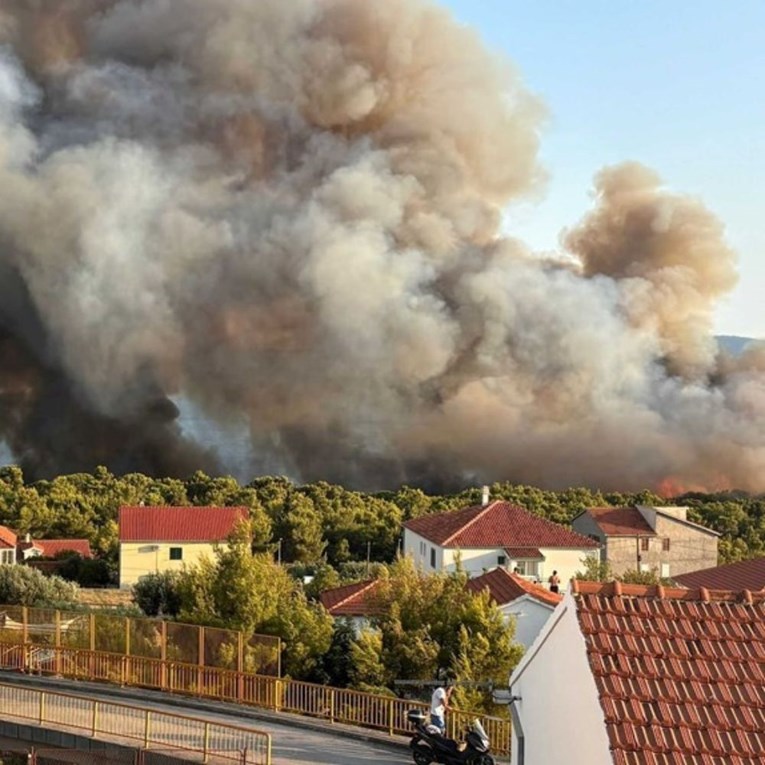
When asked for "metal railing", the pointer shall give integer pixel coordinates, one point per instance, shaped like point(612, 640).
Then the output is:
point(142, 637)
point(383, 713)
point(150, 728)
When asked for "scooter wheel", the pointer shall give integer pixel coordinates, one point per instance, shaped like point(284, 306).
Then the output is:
point(421, 758)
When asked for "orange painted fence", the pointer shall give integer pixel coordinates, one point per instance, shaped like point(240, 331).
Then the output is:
point(282, 695)
point(142, 637)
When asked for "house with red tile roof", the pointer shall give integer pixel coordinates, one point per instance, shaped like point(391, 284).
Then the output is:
point(644, 538)
point(639, 675)
point(743, 575)
point(50, 548)
point(493, 534)
point(8, 541)
point(351, 602)
point(529, 604)
point(157, 539)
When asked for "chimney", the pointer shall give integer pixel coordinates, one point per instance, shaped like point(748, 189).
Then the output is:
point(27, 537)
point(485, 496)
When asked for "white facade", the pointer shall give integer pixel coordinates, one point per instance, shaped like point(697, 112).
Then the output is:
point(530, 617)
point(430, 557)
point(557, 717)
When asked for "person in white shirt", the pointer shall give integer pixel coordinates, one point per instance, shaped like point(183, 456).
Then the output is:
point(439, 703)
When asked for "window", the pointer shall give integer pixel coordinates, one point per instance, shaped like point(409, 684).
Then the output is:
point(526, 567)
point(644, 543)
point(665, 571)
point(665, 544)
point(432, 557)
point(423, 549)
point(176, 553)
point(7, 556)
point(501, 560)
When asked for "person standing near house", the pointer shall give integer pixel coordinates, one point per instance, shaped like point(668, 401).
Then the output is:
point(439, 703)
point(554, 582)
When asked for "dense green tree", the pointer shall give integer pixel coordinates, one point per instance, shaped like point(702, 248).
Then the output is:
point(157, 594)
point(431, 624)
point(239, 590)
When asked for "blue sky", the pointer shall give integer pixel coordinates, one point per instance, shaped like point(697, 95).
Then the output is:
point(678, 85)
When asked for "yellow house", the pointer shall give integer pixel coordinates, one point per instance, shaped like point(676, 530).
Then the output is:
point(157, 539)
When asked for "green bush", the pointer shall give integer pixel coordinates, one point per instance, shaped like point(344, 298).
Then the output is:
point(24, 586)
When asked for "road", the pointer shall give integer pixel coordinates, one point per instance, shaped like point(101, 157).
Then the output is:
point(291, 744)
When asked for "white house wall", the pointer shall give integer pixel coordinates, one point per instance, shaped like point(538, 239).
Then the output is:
point(530, 616)
point(475, 561)
point(559, 711)
point(418, 548)
point(565, 562)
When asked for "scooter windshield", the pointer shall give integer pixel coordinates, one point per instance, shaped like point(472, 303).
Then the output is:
point(478, 729)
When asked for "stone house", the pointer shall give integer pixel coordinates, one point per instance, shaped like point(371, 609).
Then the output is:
point(647, 538)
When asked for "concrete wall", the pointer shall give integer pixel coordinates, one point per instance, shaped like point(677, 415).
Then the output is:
point(140, 558)
point(530, 616)
point(418, 548)
point(565, 562)
point(559, 712)
point(690, 549)
point(43, 738)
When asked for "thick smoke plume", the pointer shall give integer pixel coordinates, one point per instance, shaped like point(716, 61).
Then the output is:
point(287, 214)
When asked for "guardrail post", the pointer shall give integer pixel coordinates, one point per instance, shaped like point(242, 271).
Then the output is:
point(94, 722)
point(201, 662)
point(58, 642)
point(147, 730)
point(391, 716)
point(279, 687)
point(92, 656)
point(240, 666)
point(206, 746)
point(163, 656)
point(332, 705)
point(41, 710)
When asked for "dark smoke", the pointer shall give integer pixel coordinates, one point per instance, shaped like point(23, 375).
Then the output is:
point(287, 213)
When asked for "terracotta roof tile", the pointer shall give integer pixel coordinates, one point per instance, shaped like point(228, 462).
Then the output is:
point(524, 553)
point(744, 575)
point(505, 587)
point(349, 599)
point(7, 538)
point(620, 521)
point(52, 547)
point(498, 524)
point(680, 673)
point(178, 524)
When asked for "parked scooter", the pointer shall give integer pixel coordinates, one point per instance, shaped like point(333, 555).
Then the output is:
point(429, 745)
